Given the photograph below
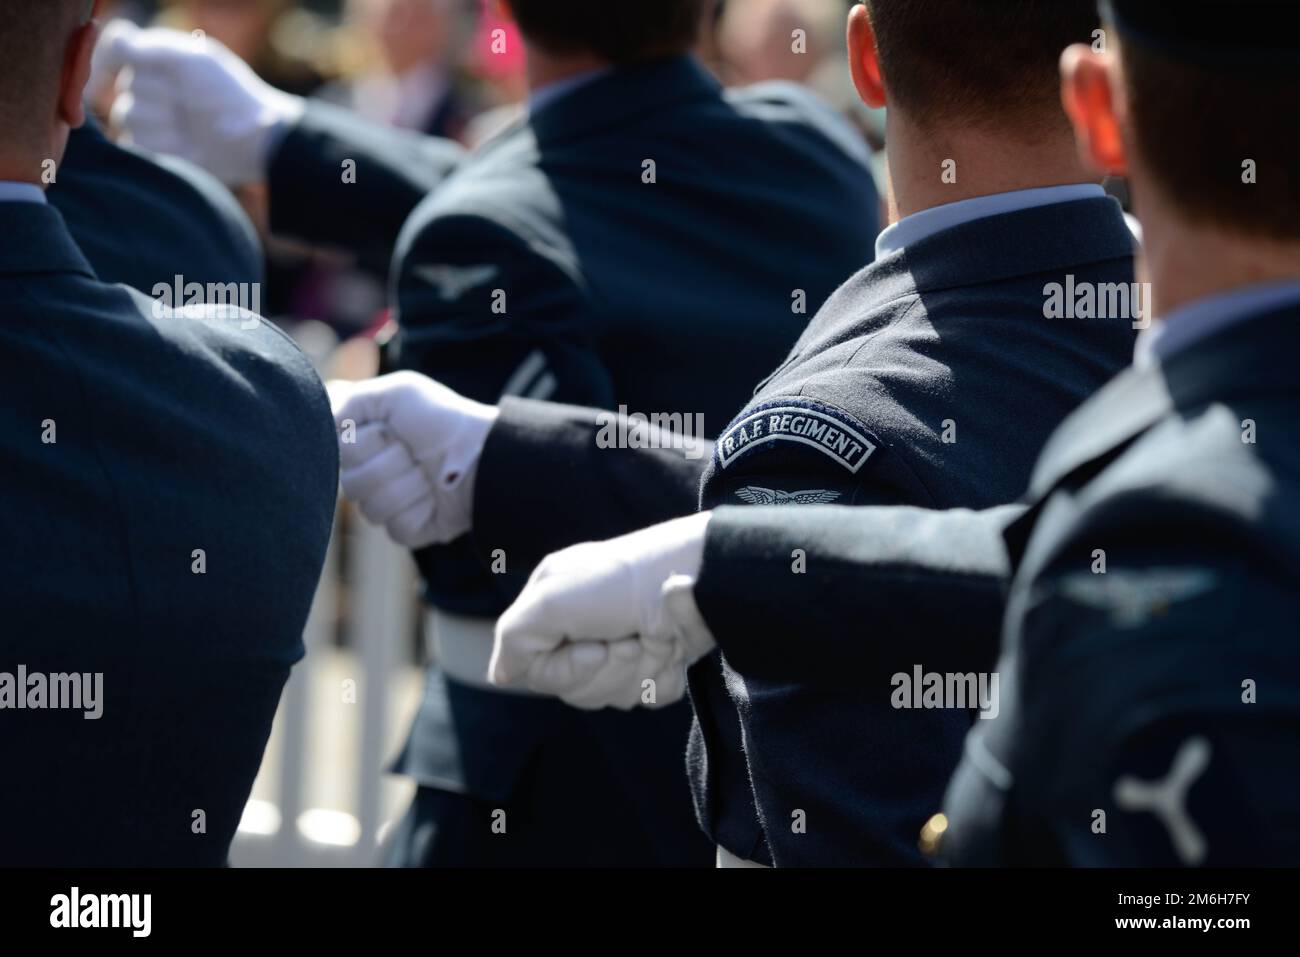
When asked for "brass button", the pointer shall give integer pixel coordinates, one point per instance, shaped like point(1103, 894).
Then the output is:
point(932, 835)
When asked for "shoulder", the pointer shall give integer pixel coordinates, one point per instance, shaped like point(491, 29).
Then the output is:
point(207, 197)
point(1204, 465)
point(501, 180)
point(793, 105)
point(232, 337)
point(500, 188)
point(239, 370)
point(184, 219)
point(1172, 535)
point(500, 215)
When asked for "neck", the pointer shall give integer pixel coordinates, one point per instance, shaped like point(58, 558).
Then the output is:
point(546, 68)
point(985, 163)
point(1186, 261)
point(15, 170)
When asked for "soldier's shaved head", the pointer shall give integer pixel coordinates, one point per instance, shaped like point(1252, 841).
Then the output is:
point(34, 57)
point(987, 64)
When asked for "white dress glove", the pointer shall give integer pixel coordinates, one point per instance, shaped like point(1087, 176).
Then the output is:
point(609, 624)
point(409, 450)
point(188, 95)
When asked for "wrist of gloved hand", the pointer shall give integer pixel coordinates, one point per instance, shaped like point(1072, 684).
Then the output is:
point(409, 449)
point(188, 95)
point(609, 624)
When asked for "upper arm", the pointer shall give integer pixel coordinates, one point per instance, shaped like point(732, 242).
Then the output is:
point(489, 311)
point(799, 450)
point(864, 589)
point(339, 180)
point(1155, 711)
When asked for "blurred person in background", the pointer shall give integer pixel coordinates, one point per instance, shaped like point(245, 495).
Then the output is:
point(779, 39)
point(410, 77)
point(497, 61)
point(260, 32)
point(403, 64)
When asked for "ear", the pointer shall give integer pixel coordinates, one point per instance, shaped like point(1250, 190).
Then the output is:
point(1089, 81)
point(864, 64)
point(76, 72)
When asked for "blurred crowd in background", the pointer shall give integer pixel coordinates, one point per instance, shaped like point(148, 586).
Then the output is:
point(432, 66)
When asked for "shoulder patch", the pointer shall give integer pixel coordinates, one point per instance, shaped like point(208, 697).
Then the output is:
point(452, 281)
point(756, 495)
point(1132, 598)
point(830, 431)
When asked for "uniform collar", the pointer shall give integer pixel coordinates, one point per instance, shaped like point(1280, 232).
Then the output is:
point(34, 239)
point(620, 95)
point(918, 226)
point(553, 92)
point(1205, 317)
point(11, 192)
point(1054, 239)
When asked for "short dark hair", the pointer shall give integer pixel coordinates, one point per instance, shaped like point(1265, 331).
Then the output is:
point(991, 64)
point(1196, 123)
point(620, 31)
point(33, 38)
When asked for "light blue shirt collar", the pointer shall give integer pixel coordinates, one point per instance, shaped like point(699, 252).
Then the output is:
point(11, 192)
point(1188, 325)
point(922, 225)
point(558, 90)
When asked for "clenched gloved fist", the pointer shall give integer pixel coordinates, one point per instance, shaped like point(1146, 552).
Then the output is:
point(609, 624)
point(188, 95)
point(409, 450)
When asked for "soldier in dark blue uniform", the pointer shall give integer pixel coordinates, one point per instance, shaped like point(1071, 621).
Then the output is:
point(169, 483)
point(616, 247)
point(1146, 712)
point(1150, 704)
point(932, 378)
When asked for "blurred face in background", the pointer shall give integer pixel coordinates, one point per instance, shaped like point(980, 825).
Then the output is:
point(242, 25)
point(408, 32)
point(756, 38)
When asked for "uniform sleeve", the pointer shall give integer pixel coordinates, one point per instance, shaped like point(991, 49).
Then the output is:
point(549, 478)
point(856, 588)
point(338, 180)
point(1154, 714)
point(490, 314)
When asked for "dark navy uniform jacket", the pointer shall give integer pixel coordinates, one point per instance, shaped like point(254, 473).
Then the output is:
point(1149, 657)
point(644, 241)
point(549, 266)
point(647, 240)
point(931, 379)
point(340, 181)
point(1152, 577)
point(143, 219)
point(169, 487)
